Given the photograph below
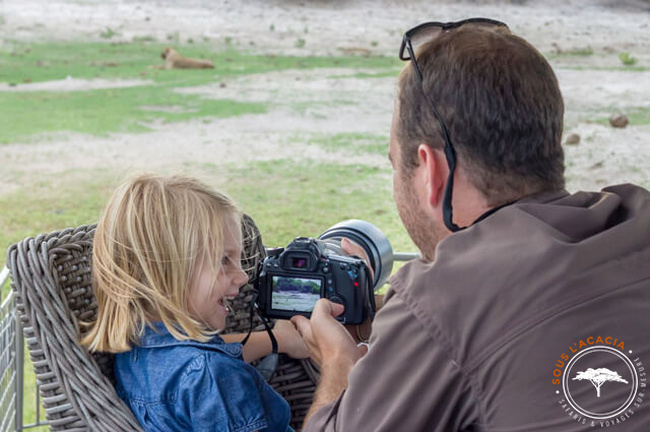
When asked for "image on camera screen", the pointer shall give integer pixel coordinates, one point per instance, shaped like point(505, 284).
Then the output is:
point(295, 293)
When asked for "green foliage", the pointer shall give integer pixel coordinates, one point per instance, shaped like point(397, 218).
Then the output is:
point(108, 33)
point(300, 43)
point(627, 59)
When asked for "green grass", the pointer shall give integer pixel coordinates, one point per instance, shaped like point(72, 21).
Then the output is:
point(119, 110)
point(638, 116)
point(49, 207)
point(54, 61)
point(627, 59)
point(578, 53)
point(103, 111)
point(585, 59)
point(352, 143)
point(29, 396)
point(289, 199)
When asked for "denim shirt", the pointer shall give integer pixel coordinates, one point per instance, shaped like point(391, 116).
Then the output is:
point(173, 385)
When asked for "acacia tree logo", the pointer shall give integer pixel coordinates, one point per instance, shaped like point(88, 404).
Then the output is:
point(610, 405)
point(598, 377)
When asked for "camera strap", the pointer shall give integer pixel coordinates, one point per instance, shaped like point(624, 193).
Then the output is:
point(268, 364)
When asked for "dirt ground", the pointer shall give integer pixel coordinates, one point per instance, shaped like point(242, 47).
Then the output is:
point(597, 89)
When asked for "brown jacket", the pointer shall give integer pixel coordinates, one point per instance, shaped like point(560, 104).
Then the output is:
point(535, 319)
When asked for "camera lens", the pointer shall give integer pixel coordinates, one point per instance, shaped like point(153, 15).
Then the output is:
point(373, 241)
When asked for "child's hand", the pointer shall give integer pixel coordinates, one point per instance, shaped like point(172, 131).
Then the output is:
point(289, 341)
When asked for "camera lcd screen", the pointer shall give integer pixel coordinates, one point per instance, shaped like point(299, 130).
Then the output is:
point(295, 293)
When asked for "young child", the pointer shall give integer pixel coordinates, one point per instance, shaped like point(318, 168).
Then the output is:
point(166, 259)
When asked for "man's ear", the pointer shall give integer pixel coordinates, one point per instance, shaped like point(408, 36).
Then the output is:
point(435, 173)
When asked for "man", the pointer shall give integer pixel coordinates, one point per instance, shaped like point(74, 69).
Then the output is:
point(530, 308)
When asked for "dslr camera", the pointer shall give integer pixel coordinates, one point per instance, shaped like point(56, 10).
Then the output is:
point(292, 279)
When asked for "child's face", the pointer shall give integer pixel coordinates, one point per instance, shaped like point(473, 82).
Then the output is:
point(207, 297)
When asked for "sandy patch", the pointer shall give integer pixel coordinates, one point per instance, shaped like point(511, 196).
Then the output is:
point(174, 109)
point(298, 86)
point(599, 89)
point(608, 156)
point(73, 84)
point(183, 146)
point(325, 26)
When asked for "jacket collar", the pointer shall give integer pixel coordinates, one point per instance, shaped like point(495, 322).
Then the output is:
point(157, 336)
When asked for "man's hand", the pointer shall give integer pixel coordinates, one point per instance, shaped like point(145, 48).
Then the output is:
point(331, 347)
point(328, 342)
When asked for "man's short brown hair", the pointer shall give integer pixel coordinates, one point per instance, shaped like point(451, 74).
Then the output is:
point(501, 103)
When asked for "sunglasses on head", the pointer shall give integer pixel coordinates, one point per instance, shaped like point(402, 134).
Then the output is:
point(412, 40)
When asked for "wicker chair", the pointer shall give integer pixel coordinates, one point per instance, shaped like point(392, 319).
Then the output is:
point(51, 275)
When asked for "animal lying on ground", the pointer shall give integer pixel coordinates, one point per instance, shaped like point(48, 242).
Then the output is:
point(173, 60)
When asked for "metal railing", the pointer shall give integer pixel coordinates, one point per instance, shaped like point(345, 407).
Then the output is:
point(11, 363)
point(12, 366)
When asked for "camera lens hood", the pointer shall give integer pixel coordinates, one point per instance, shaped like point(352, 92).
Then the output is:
point(373, 241)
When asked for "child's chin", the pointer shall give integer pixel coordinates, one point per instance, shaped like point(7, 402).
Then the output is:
point(218, 324)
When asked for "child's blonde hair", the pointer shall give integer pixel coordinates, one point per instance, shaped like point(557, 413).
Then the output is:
point(148, 241)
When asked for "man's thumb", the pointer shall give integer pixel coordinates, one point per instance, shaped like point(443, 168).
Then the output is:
point(328, 307)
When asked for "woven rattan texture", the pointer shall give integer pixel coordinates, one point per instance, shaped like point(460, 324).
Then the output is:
point(51, 275)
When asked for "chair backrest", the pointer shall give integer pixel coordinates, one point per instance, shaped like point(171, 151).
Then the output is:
point(51, 275)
